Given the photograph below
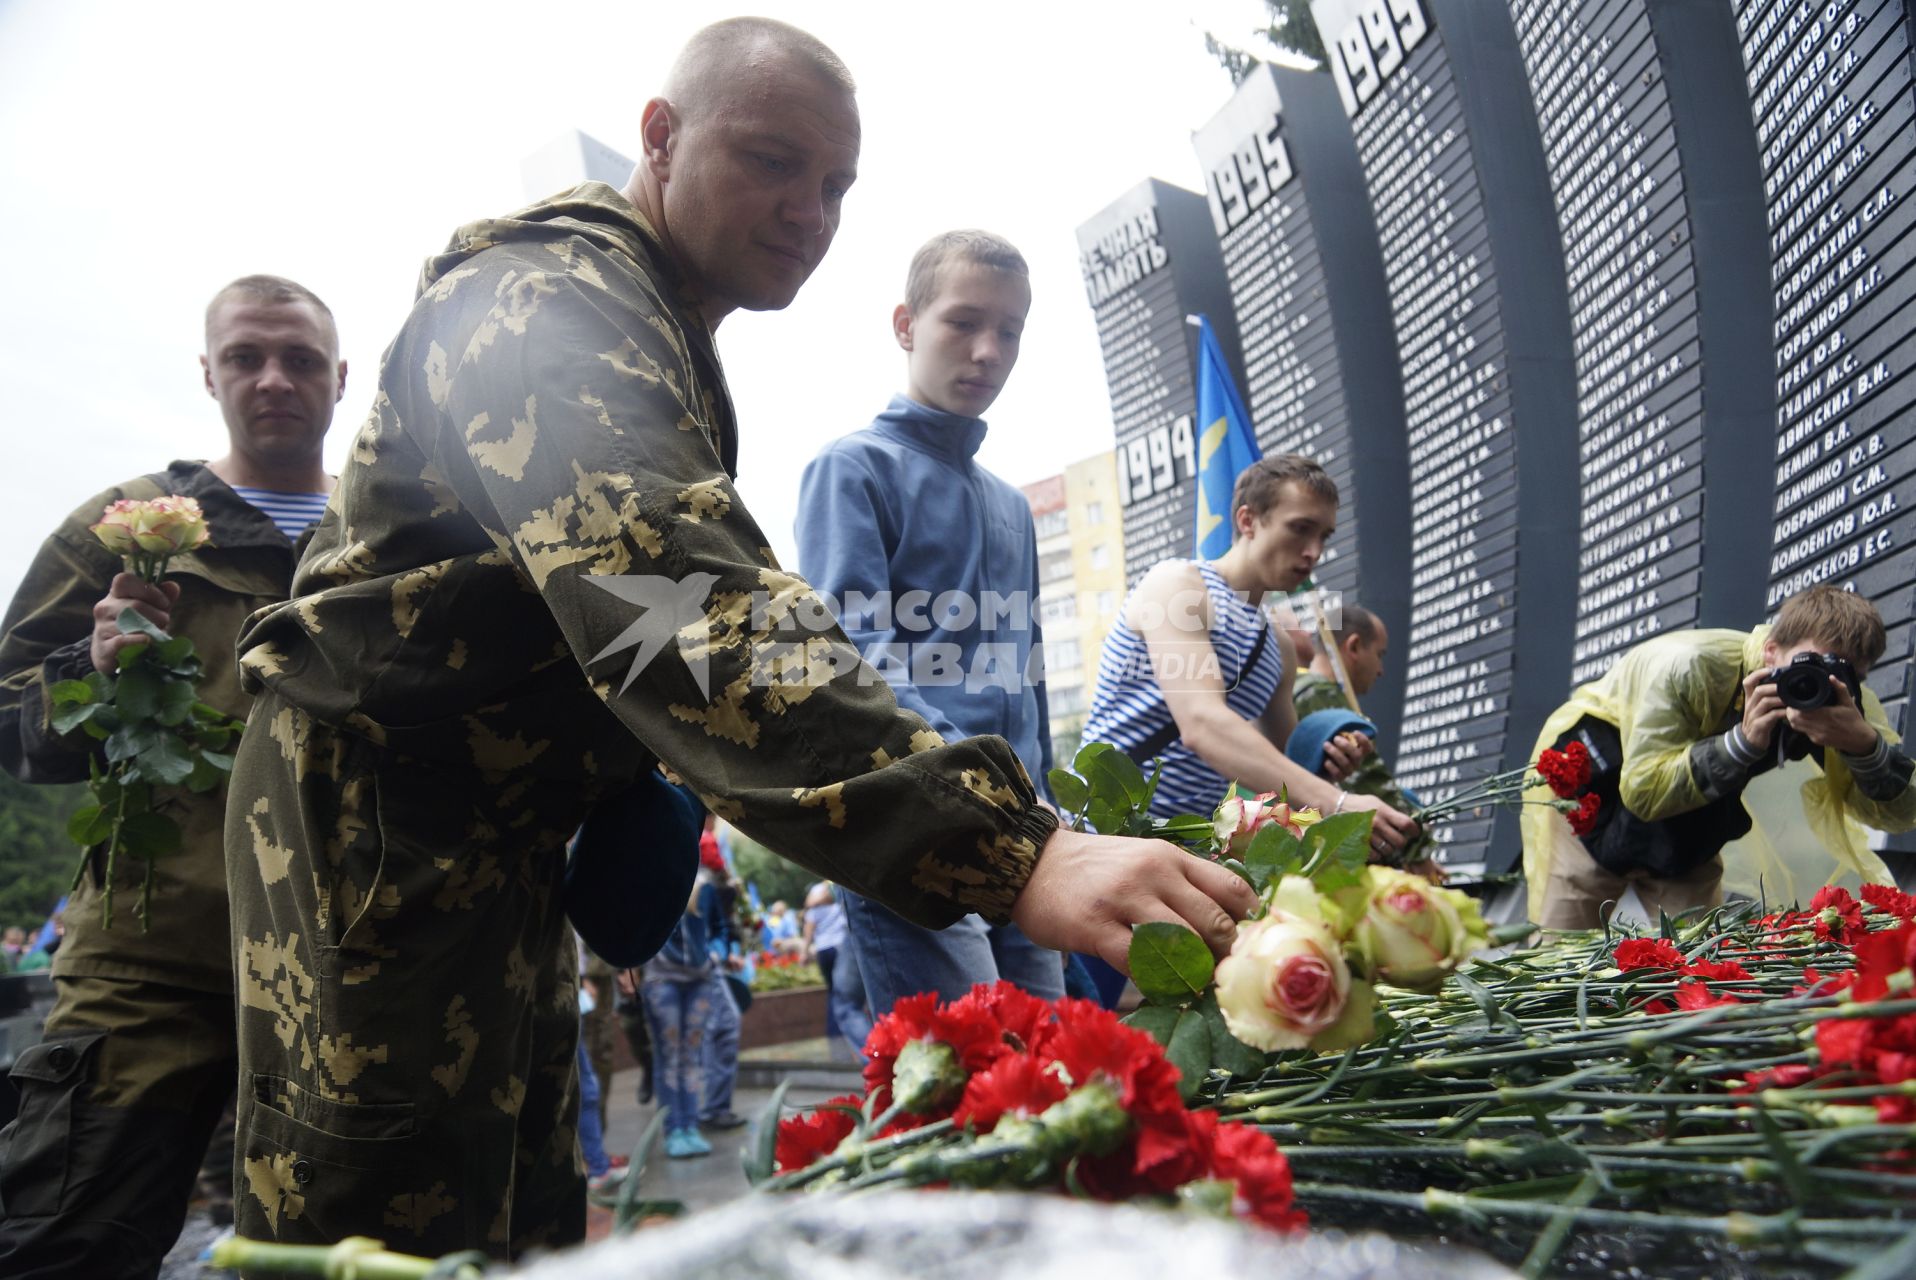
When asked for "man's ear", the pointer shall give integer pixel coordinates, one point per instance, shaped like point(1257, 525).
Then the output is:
point(658, 131)
point(901, 325)
point(206, 372)
point(342, 383)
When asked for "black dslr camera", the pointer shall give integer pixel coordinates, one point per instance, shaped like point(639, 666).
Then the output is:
point(1805, 682)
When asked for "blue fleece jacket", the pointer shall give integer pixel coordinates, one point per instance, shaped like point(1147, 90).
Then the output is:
point(902, 508)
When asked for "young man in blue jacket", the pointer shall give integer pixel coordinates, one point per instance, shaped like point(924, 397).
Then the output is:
point(933, 562)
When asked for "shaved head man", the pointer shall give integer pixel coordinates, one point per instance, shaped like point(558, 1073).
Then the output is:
point(546, 480)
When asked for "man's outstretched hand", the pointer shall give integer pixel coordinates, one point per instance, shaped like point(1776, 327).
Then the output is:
point(1088, 890)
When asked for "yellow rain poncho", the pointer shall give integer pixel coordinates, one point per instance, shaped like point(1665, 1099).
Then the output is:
point(1669, 693)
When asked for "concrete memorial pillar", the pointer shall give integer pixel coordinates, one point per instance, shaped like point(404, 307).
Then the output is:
point(1290, 211)
point(1447, 139)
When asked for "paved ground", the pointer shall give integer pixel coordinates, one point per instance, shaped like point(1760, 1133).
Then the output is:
point(699, 1183)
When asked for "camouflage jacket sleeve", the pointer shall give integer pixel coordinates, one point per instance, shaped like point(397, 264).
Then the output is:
point(575, 425)
point(47, 639)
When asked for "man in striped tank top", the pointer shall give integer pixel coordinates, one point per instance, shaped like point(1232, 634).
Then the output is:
point(140, 1058)
point(1194, 674)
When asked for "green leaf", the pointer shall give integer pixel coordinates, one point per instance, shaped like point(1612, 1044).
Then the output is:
point(209, 770)
point(1068, 790)
point(1156, 1020)
point(1494, 1014)
point(1276, 850)
point(1113, 777)
point(73, 715)
point(130, 742)
point(1190, 1051)
point(71, 692)
point(168, 760)
point(1169, 962)
point(149, 835)
point(1228, 1052)
point(1343, 838)
point(761, 1154)
point(1104, 818)
point(171, 653)
point(89, 826)
point(134, 623)
point(176, 701)
point(137, 694)
point(1238, 868)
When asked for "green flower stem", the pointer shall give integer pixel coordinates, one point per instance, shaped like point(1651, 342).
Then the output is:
point(1737, 1228)
point(354, 1258)
point(866, 1153)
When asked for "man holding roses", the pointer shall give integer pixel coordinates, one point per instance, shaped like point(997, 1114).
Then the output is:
point(119, 1101)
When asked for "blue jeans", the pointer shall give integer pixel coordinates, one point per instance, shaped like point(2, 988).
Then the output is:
point(679, 1014)
point(721, 1053)
point(897, 958)
point(846, 1000)
point(591, 1132)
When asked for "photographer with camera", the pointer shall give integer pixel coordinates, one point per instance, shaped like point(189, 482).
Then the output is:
point(1679, 729)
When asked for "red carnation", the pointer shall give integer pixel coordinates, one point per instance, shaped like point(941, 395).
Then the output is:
point(1717, 971)
point(1584, 820)
point(967, 1026)
point(1090, 1042)
point(1791, 1075)
point(805, 1139)
point(1024, 1021)
point(1696, 995)
point(1017, 1084)
point(1818, 983)
point(1880, 957)
point(1895, 901)
point(1566, 772)
point(1838, 917)
point(1648, 953)
point(1249, 1159)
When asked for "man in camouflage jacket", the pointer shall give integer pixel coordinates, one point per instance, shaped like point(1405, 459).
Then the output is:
point(138, 1060)
point(536, 581)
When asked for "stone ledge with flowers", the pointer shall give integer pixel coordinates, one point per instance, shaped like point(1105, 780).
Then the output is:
point(1734, 1096)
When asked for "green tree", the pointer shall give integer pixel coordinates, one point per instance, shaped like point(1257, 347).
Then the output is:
point(1291, 29)
point(36, 858)
point(774, 876)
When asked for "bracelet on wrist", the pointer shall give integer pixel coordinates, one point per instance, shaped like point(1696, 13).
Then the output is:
point(1342, 796)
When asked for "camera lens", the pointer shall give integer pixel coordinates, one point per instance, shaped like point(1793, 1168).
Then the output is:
point(1803, 687)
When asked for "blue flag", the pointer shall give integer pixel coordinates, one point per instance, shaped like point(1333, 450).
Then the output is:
point(1225, 446)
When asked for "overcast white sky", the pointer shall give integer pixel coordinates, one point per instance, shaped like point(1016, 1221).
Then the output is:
point(151, 152)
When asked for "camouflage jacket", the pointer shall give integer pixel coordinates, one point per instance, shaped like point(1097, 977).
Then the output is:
point(47, 637)
point(537, 577)
point(1312, 693)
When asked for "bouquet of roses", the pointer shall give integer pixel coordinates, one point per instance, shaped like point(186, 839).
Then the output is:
point(155, 730)
point(1302, 972)
point(1001, 1089)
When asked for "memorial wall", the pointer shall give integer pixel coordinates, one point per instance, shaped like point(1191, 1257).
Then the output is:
point(1307, 282)
point(1830, 94)
point(1659, 211)
point(1148, 260)
point(1606, 302)
point(1455, 173)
